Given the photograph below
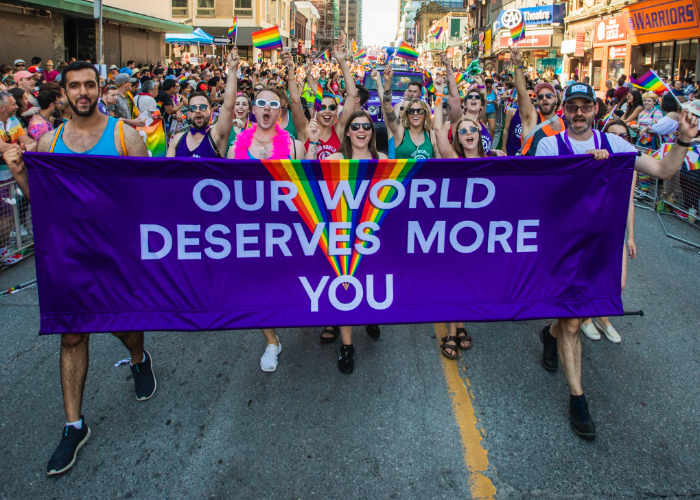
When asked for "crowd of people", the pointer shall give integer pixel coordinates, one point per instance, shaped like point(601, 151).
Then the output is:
point(235, 109)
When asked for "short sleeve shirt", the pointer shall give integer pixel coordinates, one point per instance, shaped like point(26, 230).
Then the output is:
point(548, 146)
point(122, 109)
point(10, 132)
point(38, 126)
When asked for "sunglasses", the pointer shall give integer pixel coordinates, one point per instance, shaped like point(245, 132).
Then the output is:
point(20, 65)
point(198, 107)
point(471, 130)
point(414, 111)
point(573, 109)
point(365, 126)
point(258, 89)
point(532, 96)
point(624, 135)
point(261, 103)
point(474, 97)
point(110, 87)
point(245, 87)
point(545, 96)
point(331, 107)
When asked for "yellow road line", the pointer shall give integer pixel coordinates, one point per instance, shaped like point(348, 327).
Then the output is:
point(475, 455)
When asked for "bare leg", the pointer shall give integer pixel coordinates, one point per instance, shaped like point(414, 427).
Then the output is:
point(133, 341)
point(566, 331)
point(6, 224)
point(270, 336)
point(492, 126)
point(346, 335)
point(75, 357)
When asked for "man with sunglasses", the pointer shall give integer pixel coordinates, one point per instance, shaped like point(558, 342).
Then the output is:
point(540, 121)
point(562, 338)
point(201, 140)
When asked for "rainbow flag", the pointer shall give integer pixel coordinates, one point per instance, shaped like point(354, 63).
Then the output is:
point(154, 137)
point(518, 32)
point(692, 157)
point(407, 52)
point(428, 81)
point(319, 97)
point(325, 55)
point(232, 31)
point(267, 39)
point(459, 77)
point(649, 81)
point(438, 33)
point(259, 58)
point(183, 78)
point(360, 55)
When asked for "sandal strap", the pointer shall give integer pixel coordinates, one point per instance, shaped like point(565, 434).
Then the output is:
point(465, 335)
point(449, 338)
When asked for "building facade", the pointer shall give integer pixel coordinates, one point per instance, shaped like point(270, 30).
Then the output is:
point(350, 19)
point(132, 30)
point(216, 16)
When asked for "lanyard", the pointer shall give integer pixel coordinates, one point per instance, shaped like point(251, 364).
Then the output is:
point(571, 149)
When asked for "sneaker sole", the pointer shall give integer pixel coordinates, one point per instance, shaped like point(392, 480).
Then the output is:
point(583, 435)
point(551, 370)
point(155, 382)
point(75, 455)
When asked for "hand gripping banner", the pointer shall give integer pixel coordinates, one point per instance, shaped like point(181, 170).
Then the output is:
point(191, 244)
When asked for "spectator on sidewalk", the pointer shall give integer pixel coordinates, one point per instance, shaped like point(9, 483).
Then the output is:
point(42, 122)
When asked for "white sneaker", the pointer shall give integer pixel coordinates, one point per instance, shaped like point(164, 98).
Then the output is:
point(590, 331)
point(268, 362)
point(609, 331)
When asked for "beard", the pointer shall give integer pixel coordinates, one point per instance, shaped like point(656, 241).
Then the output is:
point(91, 109)
point(202, 126)
point(581, 128)
point(548, 109)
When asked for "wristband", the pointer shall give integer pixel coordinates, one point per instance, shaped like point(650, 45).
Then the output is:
point(439, 95)
point(480, 86)
point(314, 143)
point(682, 144)
point(519, 67)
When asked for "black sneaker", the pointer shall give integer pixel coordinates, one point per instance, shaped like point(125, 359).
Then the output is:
point(550, 354)
point(144, 381)
point(373, 331)
point(346, 362)
point(64, 457)
point(581, 421)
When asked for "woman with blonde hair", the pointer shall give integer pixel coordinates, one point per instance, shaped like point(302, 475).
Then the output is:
point(412, 132)
point(648, 117)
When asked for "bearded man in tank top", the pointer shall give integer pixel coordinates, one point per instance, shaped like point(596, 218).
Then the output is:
point(91, 133)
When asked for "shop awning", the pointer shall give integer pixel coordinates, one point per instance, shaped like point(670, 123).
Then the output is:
point(197, 36)
point(83, 8)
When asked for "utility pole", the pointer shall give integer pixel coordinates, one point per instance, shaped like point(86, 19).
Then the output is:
point(97, 14)
point(347, 36)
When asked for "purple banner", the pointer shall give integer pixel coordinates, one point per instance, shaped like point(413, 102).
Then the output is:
point(192, 244)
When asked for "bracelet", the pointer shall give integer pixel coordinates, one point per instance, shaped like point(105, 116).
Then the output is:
point(519, 67)
point(682, 144)
point(439, 95)
point(314, 143)
point(480, 86)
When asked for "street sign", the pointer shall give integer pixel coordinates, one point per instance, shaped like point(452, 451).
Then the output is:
point(294, 51)
point(221, 40)
point(97, 9)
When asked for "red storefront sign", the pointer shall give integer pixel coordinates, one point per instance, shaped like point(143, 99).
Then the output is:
point(580, 40)
point(504, 56)
point(617, 52)
point(612, 29)
point(530, 41)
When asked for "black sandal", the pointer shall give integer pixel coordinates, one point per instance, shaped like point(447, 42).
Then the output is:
point(463, 336)
point(373, 331)
point(333, 330)
point(454, 348)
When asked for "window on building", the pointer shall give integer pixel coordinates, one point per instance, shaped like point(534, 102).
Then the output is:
point(181, 8)
point(205, 8)
point(244, 8)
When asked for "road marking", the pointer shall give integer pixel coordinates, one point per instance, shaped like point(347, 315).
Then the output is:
point(475, 455)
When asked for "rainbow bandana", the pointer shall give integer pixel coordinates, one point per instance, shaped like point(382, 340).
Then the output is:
point(267, 39)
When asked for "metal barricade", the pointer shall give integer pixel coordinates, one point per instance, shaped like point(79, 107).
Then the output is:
point(16, 229)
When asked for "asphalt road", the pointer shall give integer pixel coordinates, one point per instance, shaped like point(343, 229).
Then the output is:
point(406, 424)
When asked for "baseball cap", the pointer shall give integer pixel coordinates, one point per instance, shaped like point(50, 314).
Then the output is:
point(121, 78)
point(22, 74)
point(113, 66)
point(582, 90)
point(545, 85)
point(19, 61)
point(33, 69)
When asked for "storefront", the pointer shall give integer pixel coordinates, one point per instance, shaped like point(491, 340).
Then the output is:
point(578, 50)
point(610, 51)
point(543, 36)
point(663, 36)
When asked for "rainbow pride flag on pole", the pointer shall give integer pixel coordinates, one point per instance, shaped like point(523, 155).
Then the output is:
point(518, 32)
point(407, 52)
point(325, 55)
point(319, 97)
point(360, 55)
point(649, 81)
point(154, 137)
point(233, 30)
point(260, 58)
point(267, 39)
point(429, 86)
point(438, 33)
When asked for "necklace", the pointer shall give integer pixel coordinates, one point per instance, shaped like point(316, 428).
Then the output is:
point(263, 145)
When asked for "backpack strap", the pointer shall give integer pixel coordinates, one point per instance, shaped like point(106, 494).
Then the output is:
point(121, 137)
point(213, 144)
point(539, 127)
point(56, 136)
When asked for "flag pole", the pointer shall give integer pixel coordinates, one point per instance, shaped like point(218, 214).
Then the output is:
point(690, 108)
point(609, 116)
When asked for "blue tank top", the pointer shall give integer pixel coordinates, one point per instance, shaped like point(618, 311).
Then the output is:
point(490, 99)
point(204, 150)
point(515, 134)
point(104, 147)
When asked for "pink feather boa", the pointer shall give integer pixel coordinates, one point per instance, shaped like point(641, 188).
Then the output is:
point(280, 144)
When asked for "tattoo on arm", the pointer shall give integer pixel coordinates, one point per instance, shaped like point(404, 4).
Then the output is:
point(392, 116)
point(449, 108)
point(387, 95)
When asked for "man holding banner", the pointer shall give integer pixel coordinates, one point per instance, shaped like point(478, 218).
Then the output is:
point(92, 133)
point(562, 338)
